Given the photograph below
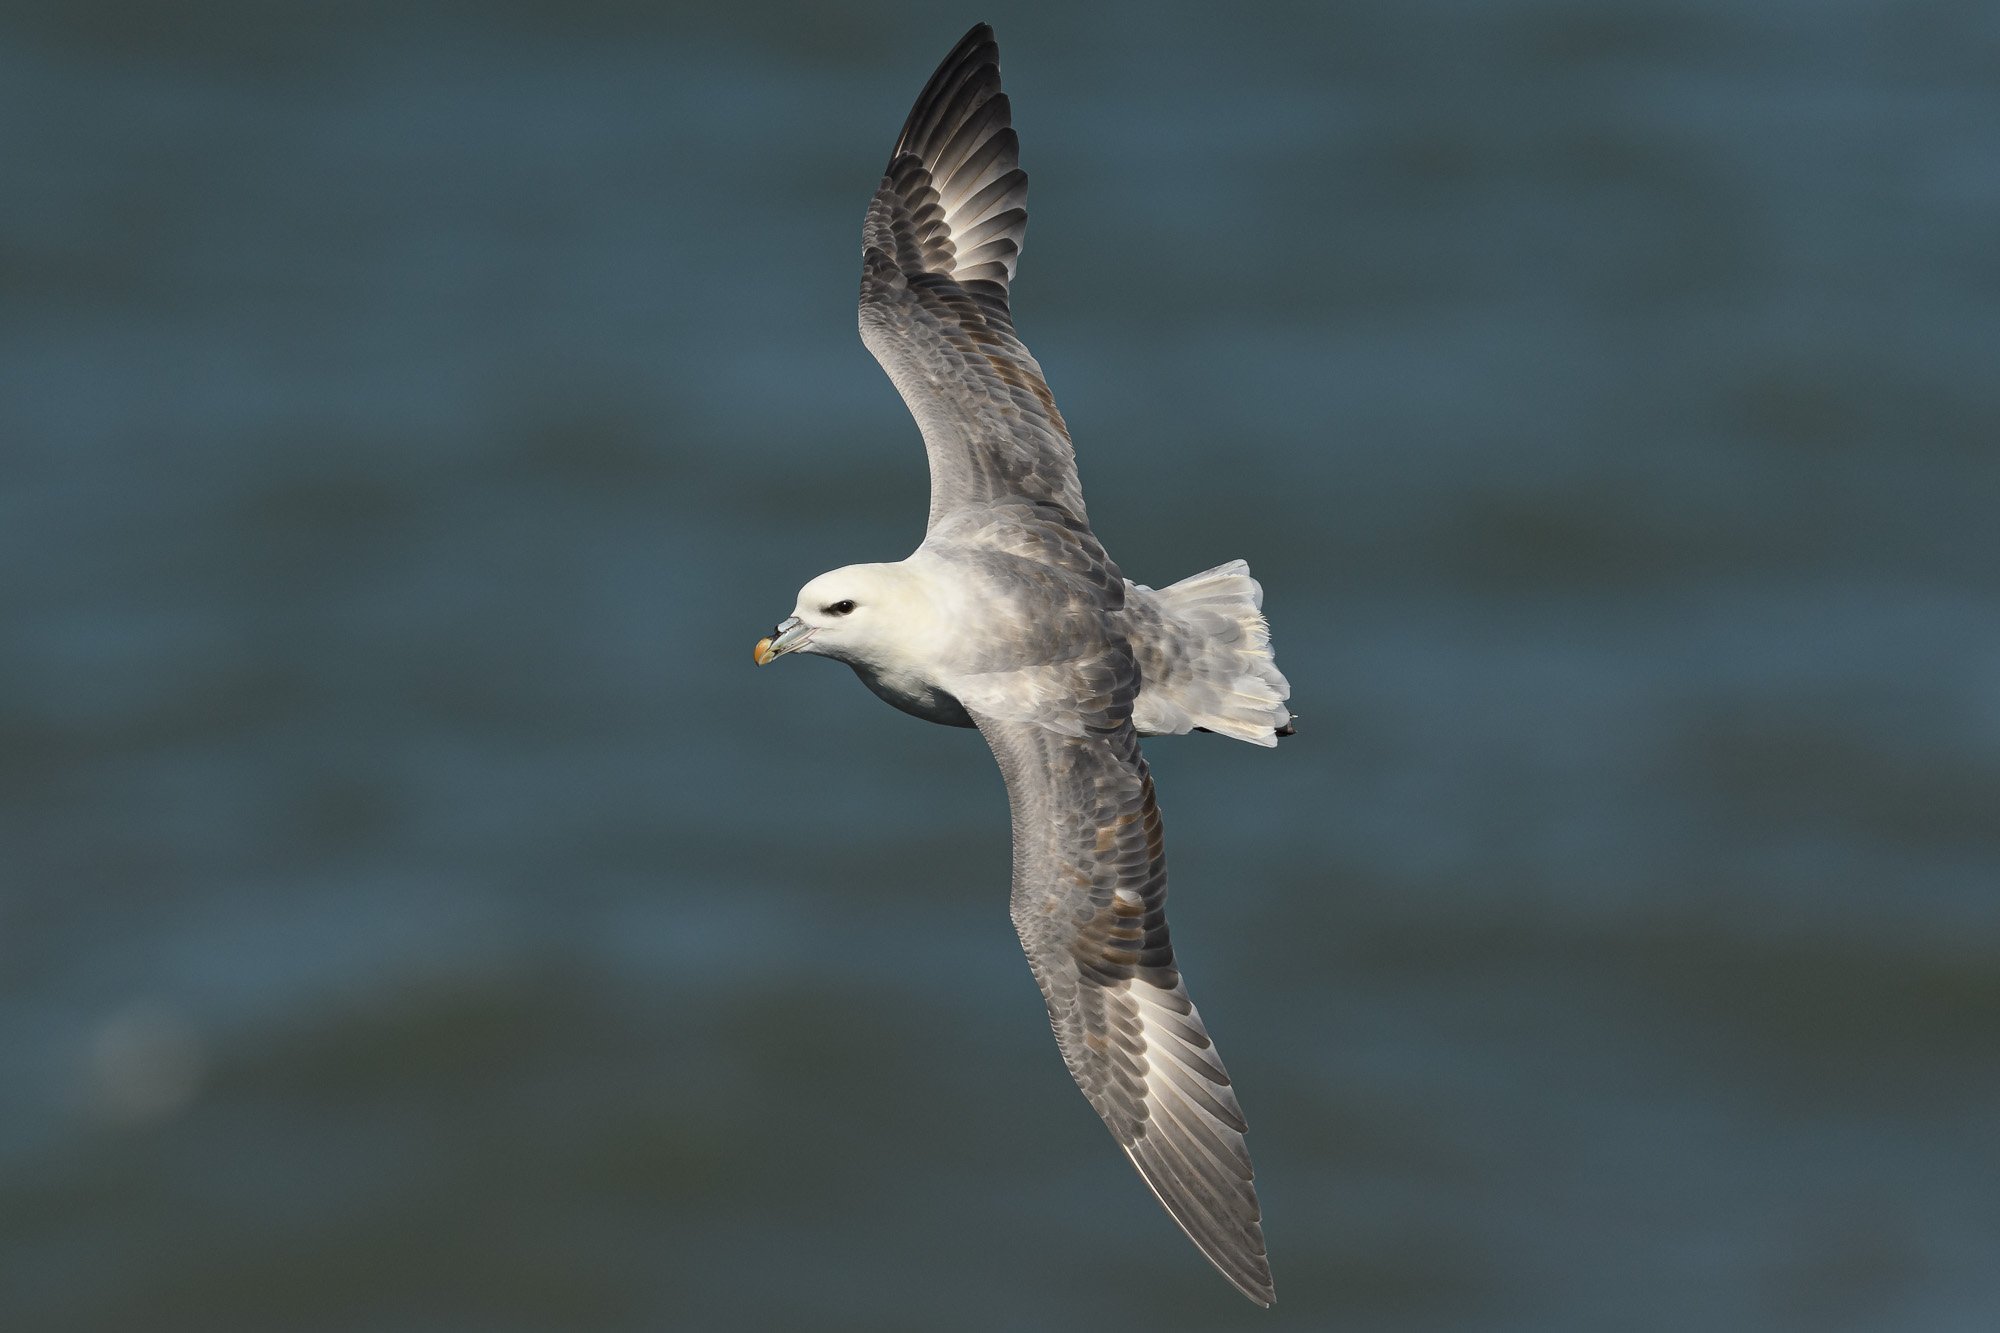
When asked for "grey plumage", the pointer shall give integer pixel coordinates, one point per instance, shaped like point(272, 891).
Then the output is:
point(1042, 656)
point(1011, 617)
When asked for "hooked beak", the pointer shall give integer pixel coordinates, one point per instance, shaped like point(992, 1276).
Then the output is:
point(790, 633)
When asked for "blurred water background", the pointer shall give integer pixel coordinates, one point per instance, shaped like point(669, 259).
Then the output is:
point(419, 915)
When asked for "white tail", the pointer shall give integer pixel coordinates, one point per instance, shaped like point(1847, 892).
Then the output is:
point(1204, 653)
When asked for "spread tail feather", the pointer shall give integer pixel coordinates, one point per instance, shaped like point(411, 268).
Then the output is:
point(1205, 661)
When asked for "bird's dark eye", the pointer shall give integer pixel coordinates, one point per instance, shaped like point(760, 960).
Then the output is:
point(841, 608)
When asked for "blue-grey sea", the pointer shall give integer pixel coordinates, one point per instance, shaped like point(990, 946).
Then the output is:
point(417, 915)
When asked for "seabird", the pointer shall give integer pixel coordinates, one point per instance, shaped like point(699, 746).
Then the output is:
point(1011, 618)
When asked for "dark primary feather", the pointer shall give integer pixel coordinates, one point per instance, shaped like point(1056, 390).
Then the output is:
point(953, 200)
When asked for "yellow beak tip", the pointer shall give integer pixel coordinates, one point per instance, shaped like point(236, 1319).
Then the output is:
point(762, 652)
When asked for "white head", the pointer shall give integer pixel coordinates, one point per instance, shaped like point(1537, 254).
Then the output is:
point(859, 613)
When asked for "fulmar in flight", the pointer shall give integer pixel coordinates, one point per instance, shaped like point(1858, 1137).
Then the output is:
point(1011, 618)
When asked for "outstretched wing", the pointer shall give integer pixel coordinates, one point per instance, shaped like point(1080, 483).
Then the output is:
point(939, 246)
point(1090, 889)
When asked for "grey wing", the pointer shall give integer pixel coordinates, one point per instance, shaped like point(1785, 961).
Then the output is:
point(939, 246)
point(1089, 901)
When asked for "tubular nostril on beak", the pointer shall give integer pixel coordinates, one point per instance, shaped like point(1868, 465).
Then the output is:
point(786, 636)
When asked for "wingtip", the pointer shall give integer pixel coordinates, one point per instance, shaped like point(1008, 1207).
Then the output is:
point(1263, 1293)
point(1263, 1298)
point(976, 36)
point(974, 52)
point(1247, 1270)
point(1255, 1287)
